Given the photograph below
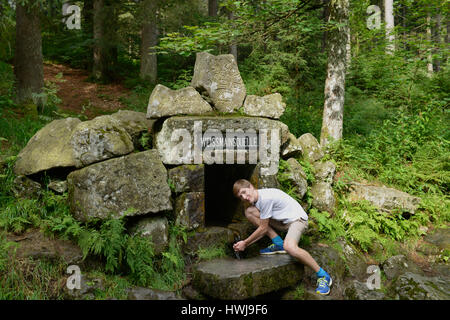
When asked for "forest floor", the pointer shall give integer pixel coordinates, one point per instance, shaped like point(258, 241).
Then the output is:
point(80, 96)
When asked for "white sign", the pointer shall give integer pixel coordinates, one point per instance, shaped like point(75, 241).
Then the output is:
point(236, 146)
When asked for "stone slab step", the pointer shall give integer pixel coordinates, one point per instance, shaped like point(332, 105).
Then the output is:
point(229, 278)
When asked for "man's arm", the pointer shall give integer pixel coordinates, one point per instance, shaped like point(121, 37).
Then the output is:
point(255, 236)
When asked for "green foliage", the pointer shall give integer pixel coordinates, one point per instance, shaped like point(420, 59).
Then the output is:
point(193, 39)
point(409, 151)
point(7, 31)
point(19, 215)
point(140, 260)
point(364, 224)
point(212, 252)
point(329, 228)
point(108, 242)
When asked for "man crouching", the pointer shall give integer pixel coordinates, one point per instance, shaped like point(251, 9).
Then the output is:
point(274, 209)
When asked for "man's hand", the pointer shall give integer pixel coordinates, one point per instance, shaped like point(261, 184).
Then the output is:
point(239, 246)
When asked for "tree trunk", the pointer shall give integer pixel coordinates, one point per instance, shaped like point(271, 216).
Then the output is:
point(233, 46)
point(105, 42)
point(149, 38)
point(333, 111)
point(28, 61)
point(87, 26)
point(325, 17)
point(213, 8)
point(437, 40)
point(348, 47)
point(99, 61)
point(429, 47)
point(389, 18)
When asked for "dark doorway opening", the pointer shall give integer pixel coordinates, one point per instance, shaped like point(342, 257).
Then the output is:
point(220, 204)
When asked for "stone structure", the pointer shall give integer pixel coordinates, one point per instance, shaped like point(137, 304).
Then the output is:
point(203, 138)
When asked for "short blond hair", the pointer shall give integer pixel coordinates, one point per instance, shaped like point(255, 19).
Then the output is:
point(239, 184)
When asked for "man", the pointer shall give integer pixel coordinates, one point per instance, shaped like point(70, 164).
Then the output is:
point(274, 209)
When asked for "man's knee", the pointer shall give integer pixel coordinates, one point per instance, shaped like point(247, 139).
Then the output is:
point(289, 245)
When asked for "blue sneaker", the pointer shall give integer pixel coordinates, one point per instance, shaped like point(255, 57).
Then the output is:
point(272, 249)
point(323, 285)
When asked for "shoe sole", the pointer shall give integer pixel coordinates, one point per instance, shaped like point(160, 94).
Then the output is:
point(328, 292)
point(274, 252)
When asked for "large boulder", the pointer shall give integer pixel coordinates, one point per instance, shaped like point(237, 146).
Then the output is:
point(49, 148)
point(292, 149)
point(412, 286)
point(218, 77)
point(135, 123)
point(72, 143)
point(356, 290)
point(134, 185)
point(99, 139)
point(228, 278)
point(297, 177)
point(324, 171)
point(312, 151)
point(386, 199)
point(261, 181)
point(187, 178)
point(323, 196)
point(398, 265)
point(269, 106)
point(355, 261)
point(166, 102)
point(208, 237)
point(190, 210)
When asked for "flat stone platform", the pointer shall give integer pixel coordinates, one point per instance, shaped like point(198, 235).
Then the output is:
point(231, 279)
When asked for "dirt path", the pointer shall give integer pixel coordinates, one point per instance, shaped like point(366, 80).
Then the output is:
point(82, 97)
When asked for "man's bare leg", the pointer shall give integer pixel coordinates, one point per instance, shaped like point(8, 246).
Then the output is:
point(252, 214)
point(300, 254)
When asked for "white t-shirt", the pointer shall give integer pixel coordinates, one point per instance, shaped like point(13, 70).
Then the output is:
point(278, 205)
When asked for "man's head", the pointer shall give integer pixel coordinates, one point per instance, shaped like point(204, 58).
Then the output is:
point(245, 191)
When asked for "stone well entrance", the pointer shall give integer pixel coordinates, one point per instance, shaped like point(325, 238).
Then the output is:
point(221, 207)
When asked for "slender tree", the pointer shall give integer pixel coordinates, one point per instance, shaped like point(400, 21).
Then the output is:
point(87, 26)
point(98, 32)
point(149, 38)
point(333, 111)
point(105, 40)
point(325, 17)
point(389, 19)
point(213, 8)
point(28, 60)
point(437, 40)
point(429, 45)
point(233, 46)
